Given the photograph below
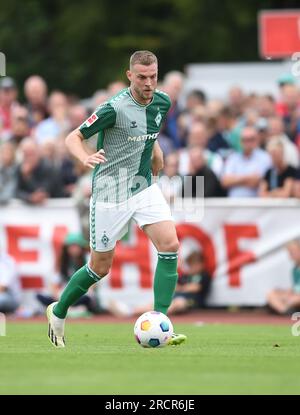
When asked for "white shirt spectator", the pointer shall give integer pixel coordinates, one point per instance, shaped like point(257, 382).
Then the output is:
point(214, 162)
point(238, 164)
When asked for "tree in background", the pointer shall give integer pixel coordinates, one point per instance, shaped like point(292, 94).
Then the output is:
point(81, 46)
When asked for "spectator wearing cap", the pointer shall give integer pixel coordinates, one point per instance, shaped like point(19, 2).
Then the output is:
point(35, 90)
point(8, 172)
point(244, 171)
point(279, 179)
point(8, 101)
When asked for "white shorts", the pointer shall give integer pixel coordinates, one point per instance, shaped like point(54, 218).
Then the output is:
point(109, 221)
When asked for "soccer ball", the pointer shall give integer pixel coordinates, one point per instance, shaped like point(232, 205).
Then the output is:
point(153, 329)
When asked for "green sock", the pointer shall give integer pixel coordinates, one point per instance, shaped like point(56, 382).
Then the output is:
point(165, 280)
point(78, 285)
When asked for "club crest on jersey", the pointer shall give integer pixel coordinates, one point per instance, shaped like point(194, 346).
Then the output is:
point(94, 117)
point(158, 118)
point(104, 239)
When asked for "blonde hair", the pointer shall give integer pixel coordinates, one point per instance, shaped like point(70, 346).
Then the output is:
point(143, 57)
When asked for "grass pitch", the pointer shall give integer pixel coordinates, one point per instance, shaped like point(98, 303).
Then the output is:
point(105, 359)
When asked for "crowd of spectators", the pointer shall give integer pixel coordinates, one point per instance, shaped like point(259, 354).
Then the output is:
point(243, 146)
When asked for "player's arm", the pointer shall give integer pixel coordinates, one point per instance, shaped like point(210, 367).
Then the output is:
point(104, 117)
point(157, 160)
point(75, 145)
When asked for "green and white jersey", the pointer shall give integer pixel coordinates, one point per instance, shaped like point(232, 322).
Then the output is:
point(126, 131)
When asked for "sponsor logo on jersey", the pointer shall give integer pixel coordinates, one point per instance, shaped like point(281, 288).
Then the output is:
point(94, 117)
point(143, 137)
point(133, 124)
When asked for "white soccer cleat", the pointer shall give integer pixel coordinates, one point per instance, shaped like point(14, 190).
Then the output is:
point(56, 328)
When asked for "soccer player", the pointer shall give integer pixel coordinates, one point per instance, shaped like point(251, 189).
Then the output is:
point(127, 126)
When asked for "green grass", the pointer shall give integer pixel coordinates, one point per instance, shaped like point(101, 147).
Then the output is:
point(105, 359)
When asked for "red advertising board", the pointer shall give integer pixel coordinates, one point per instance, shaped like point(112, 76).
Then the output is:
point(279, 33)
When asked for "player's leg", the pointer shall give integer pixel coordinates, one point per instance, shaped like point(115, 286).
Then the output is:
point(164, 237)
point(80, 282)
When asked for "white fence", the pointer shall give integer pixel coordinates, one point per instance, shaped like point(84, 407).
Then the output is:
point(243, 242)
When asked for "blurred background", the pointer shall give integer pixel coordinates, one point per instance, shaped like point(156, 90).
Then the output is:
point(233, 79)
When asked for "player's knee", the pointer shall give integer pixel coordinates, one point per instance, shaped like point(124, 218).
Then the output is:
point(171, 246)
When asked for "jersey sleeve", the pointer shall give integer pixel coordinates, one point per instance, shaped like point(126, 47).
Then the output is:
point(104, 117)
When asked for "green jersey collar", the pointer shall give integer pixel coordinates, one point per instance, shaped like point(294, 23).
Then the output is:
point(137, 103)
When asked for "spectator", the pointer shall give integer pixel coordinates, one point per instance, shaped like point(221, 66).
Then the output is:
point(289, 109)
point(56, 157)
point(35, 89)
point(193, 185)
point(73, 257)
point(279, 179)
point(10, 292)
point(173, 84)
point(77, 115)
point(36, 180)
point(194, 99)
point(243, 172)
point(8, 101)
point(228, 127)
point(170, 182)
point(57, 124)
point(236, 100)
point(198, 136)
point(8, 170)
point(216, 141)
point(286, 301)
point(266, 106)
point(115, 87)
point(193, 285)
point(276, 130)
point(98, 98)
point(20, 125)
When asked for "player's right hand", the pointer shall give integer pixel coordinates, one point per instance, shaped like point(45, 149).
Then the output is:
point(94, 159)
